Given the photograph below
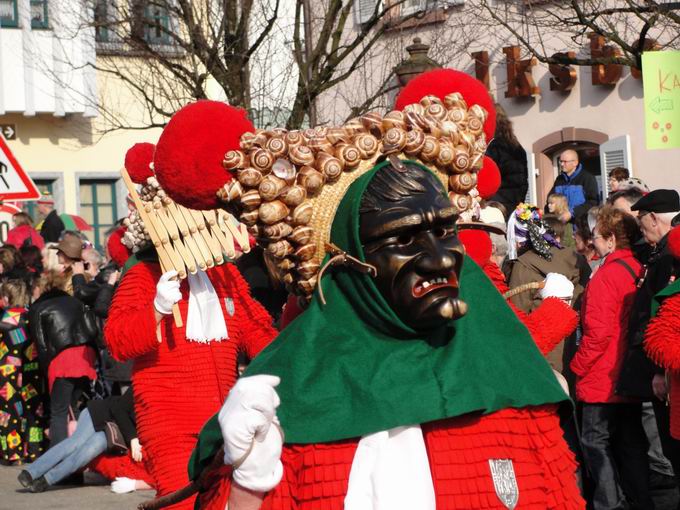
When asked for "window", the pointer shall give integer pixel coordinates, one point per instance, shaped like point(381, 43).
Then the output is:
point(156, 24)
point(43, 185)
point(413, 6)
point(101, 21)
point(98, 206)
point(8, 13)
point(38, 13)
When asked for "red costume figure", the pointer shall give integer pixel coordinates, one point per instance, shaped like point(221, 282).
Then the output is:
point(179, 383)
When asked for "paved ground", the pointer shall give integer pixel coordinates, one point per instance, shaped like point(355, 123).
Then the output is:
point(95, 495)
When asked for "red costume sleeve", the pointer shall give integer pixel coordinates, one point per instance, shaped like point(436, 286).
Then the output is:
point(131, 327)
point(662, 339)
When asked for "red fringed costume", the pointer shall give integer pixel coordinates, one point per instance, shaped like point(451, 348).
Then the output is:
point(316, 476)
point(179, 384)
point(114, 466)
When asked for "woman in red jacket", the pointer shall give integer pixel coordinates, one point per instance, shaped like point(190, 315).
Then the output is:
point(612, 428)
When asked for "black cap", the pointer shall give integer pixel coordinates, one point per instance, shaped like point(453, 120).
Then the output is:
point(658, 201)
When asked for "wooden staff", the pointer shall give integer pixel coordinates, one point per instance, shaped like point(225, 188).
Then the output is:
point(523, 288)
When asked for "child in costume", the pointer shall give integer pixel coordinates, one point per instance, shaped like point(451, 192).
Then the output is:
point(181, 376)
point(397, 387)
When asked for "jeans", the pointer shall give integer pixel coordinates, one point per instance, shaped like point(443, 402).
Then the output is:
point(70, 455)
point(657, 461)
point(615, 450)
point(65, 392)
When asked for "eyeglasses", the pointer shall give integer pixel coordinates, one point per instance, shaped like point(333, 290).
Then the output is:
point(564, 162)
point(643, 214)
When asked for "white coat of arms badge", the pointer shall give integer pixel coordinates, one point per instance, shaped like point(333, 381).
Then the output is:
point(504, 481)
point(229, 304)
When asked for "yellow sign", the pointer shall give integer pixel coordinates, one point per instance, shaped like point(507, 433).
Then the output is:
point(661, 81)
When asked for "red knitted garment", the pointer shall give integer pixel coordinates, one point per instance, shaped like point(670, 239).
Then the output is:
point(549, 324)
point(459, 449)
point(114, 466)
point(180, 384)
point(662, 343)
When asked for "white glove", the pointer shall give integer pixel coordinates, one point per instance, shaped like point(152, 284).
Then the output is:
point(557, 285)
point(251, 444)
point(122, 485)
point(167, 293)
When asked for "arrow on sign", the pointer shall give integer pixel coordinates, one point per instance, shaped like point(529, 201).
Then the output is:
point(659, 105)
point(8, 131)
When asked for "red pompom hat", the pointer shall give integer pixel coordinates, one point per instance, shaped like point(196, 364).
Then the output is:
point(138, 160)
point(477, 245)
point(442, 82)
point(488, 179)
point(117, 250)
point(190, 151)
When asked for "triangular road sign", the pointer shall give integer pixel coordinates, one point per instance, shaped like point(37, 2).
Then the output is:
point(15, 184)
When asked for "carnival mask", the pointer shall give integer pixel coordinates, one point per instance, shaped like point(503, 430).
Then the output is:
point(407, 228)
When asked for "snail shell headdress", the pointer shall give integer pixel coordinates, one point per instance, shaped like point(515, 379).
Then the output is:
point(285, 186)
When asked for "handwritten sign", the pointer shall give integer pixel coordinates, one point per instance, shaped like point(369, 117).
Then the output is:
point(661, 82)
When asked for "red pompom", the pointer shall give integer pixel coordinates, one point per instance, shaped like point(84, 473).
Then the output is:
point(117, 250)
point(190, 151)
point(674, 242)
point(442, 82)
point(488, 179)
point(137, 162)
point(477, 244)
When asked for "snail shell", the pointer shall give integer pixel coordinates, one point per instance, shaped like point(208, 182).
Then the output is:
point(455, 100)
point(255, 230)
point(446, 153)
point(479, 112)
point(353, 126)
point(430, 149)
point(461, 160)
point(277, 146)
point(247, 140)
point(457, 115)
point(284, 169)
point(460, 202)
point(366, 144)
point(280, 249)
point(320, 144)
point(249, 218)
point(329, 166)
point(305, 252)
point(260, 139)
point(450, 130)
point(288, 279)
point(394, 140)
point(251, 200)
point(309, 133)
point(301, 155)
point(234, 159)
point(430, 100)
point(273, 212)
point(417, 120)
point(307, 286)
point(395, 119)
point(414, 142)
point(437, 111)
point(230, 191)
point(286, 265)
point(337, 135)
point(372, 121)
point(414, 108)
point(293, 195)
point(321, 131)
point(301, 234)
point(475, 126)
point(277, 230)
point(348, 155)
point(462, 183)
point(302, 214)
point(293, 138)
point(250, 177)
point(308, 268)
point(261, 159)
point(270, 187)
point(311, 179)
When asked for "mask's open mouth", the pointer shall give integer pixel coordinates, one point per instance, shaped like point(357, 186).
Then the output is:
point(425, 286)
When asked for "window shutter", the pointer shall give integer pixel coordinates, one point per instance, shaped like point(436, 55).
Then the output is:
point(613, 153)
point(531, 197)
point(364, 9)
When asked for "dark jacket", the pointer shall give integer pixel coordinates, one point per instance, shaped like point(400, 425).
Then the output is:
point(95, 294)
point(512, 162)
point(120, 410)
point(58, 321)
point(638, 370)
point(580, 190)
point(52, 227)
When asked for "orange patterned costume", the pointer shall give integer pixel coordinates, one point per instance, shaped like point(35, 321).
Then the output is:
point(178, 383)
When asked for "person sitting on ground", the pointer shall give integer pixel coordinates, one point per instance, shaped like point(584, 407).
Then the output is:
point(87, 442)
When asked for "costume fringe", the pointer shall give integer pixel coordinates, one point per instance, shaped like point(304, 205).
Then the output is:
point(662, 338)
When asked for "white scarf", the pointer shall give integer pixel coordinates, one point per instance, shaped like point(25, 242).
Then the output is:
point(205, 320)
point(390, 471)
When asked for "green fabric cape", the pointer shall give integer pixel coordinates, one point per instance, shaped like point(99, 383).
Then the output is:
point(668, 291)
point(351, 367)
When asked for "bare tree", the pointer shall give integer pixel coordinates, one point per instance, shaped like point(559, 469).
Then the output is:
point(629, 26)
